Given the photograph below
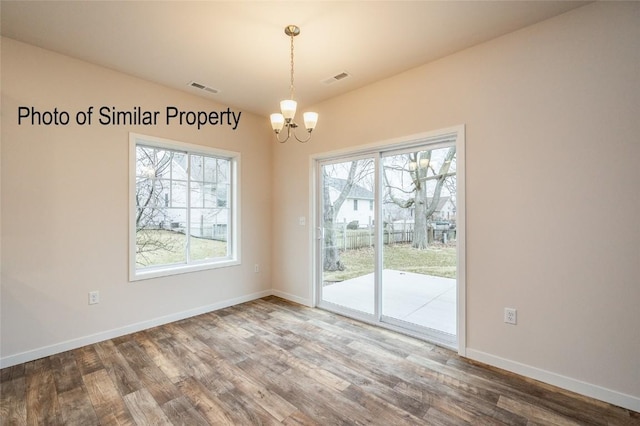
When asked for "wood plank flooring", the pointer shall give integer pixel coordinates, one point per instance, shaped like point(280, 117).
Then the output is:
point(271, 362)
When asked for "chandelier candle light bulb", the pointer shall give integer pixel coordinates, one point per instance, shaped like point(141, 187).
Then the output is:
point(288, 107)
point(277, 122)
point(310, 120)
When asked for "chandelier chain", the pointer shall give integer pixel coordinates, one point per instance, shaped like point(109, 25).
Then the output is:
point(291, 88)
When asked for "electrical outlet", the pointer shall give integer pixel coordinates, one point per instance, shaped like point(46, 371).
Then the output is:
point(94, 297)
point(510, 316)
point(256, 268)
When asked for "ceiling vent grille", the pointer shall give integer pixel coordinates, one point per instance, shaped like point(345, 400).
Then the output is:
point(201, 86)
point(340, 76)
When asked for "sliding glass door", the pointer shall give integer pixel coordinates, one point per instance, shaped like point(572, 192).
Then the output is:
point(388, 226)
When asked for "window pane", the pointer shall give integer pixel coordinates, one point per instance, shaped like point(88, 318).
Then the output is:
point(178, 194)
point(209, 236)
point(160, 238)
point(197, 194)
point(196, 167)
point(210, 169)
point(222, 196)
point(209, 195)
point(179, 166)
point(222, 175)
point(144, 163)
point(162, 163)
point(150, 218)
point(143, 188)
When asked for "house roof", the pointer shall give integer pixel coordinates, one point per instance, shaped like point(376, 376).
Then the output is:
point(357, 192)
point(441, 202)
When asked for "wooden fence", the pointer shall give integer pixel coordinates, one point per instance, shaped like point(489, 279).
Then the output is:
point(352, 239)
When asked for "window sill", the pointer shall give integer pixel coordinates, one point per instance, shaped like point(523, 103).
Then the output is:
point(179, 269)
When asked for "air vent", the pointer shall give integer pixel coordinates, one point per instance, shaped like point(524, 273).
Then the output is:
point(203, 87)
point(337, 77)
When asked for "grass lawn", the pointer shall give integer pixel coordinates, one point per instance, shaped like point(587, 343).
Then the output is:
point(201, 248)
point(437, 260)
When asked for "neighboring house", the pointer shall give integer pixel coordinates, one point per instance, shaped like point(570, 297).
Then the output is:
point(357, 207)
point(208, 195)
point(445, 211)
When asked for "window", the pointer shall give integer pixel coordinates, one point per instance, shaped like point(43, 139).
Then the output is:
point(355, 205)
point(184, 207)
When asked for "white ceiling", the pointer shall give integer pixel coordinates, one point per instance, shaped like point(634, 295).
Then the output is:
point(240, 49)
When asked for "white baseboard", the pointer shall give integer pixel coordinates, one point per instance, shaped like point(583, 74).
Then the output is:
point(292, 298)
point(594, 391)
point(31, 355)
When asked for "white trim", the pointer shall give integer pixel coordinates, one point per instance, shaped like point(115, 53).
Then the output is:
point(461, 237)
point(587, 389)
point(182, 269)
point(313, 231)
point(131, 195)
point(293, 298)
point(56, 348)
point(378, 167)
point(390, 144)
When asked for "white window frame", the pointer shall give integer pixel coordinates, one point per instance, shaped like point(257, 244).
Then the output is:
point(233, 258)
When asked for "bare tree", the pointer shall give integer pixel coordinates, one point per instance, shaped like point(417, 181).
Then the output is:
point(357, 172)
point(151, 215)
point(419, 167)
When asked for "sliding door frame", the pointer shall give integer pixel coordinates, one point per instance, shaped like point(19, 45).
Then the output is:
point(378, 151)
point(356, 314)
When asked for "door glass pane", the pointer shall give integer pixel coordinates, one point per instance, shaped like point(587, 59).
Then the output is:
point(347, 250)
point(419, 238)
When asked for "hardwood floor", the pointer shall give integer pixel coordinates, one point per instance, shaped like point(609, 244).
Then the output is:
point(274, 362)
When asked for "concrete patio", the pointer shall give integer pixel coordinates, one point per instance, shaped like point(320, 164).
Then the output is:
point(424, 300)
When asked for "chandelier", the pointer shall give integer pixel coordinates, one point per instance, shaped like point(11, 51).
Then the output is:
point(288, 106)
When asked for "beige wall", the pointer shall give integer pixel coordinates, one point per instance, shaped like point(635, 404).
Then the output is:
point(65, 207)
point(552, 116)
